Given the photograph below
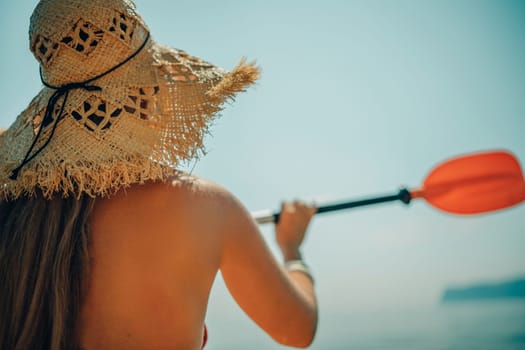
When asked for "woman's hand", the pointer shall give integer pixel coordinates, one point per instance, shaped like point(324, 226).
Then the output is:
point(291, 228)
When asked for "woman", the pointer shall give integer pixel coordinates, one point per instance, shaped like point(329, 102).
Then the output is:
point(103, 243)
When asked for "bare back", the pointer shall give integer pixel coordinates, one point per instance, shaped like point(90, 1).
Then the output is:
point(155, 253)
point(156, 249)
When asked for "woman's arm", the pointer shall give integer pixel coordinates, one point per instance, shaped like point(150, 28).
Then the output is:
point(282, 303)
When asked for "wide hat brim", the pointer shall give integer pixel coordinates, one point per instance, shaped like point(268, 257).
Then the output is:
point(149, 116)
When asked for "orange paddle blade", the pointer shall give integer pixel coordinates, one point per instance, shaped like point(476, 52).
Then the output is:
point(475, 183)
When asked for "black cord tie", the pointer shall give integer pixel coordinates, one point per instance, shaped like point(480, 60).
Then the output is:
point(63, 92)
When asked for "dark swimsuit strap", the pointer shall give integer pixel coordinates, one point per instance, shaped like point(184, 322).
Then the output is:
point(204, 337)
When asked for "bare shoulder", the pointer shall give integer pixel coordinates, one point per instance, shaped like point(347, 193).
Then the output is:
point(179, 185)
point(181, 190)
point(199, 191)
point(197, 186)
point(180, 200)
point(204, 193)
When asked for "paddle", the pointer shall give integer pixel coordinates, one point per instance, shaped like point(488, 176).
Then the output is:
point(470, 184)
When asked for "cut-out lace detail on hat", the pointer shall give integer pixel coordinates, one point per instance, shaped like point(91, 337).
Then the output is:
point(37, 121)
point(44, 49)
point(192, 61)
point(123, 27)
point(96, 115)
point(84, 37)
point(142, 102)
point(38, 118)
point(178, 73)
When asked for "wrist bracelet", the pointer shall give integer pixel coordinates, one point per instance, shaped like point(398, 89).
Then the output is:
point(299, 266)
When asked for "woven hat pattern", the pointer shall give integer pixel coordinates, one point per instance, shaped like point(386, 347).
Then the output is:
point(148, 115)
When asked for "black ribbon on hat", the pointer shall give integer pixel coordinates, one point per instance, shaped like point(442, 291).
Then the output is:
point(63, 92)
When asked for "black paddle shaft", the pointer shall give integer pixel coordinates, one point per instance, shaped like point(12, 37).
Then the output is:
point(403, 195)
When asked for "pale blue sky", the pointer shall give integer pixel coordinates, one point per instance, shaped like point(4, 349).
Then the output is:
point(356, 98)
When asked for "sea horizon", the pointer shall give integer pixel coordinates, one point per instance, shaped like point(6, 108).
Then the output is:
point(480, 325)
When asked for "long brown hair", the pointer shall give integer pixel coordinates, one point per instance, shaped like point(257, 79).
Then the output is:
point(44, 263)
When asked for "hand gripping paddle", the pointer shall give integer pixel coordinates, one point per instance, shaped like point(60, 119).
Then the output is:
point(470, 184)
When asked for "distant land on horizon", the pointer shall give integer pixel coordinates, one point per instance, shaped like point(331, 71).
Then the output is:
point(512, 289)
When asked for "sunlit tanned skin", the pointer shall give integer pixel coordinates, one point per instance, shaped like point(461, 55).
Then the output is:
point(156, 249)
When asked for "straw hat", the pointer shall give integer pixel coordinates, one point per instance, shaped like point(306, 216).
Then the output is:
point(117, 108)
